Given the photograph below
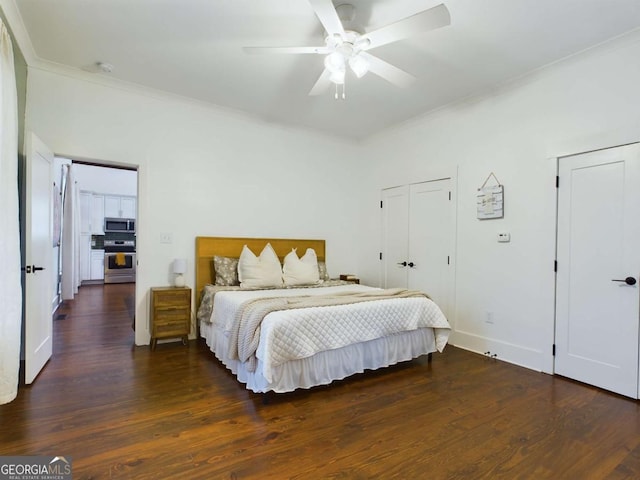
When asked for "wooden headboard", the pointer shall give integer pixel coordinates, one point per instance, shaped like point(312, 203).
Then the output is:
point(207, 247)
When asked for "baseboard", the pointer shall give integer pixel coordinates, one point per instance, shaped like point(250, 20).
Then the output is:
point(508, 352)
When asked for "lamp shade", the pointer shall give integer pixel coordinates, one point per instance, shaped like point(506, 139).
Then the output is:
point(180, 266)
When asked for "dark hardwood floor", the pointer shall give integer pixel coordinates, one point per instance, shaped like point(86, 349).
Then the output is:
point(122, 411)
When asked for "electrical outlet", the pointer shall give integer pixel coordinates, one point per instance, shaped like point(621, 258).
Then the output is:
point(166, 238)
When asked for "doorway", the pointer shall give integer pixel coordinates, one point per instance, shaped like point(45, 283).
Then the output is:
point(597, 295)
point(93, 192)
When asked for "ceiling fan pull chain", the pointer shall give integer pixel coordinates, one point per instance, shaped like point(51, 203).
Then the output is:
point(336, 95)
point(344, 87)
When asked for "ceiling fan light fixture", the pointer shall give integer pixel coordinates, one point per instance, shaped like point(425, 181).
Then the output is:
point(337, 77)
point(359, 65)
point(362, 43)
point(335, 63)
point(333, 40)
point(348, 43)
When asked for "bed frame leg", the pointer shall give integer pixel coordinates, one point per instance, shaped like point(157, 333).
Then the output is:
point(429, 357)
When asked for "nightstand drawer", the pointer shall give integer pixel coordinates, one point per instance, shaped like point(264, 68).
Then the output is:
point(169, 329)
point(171, 314)
point(171, 297)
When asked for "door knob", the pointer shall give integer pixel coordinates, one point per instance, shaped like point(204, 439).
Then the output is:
point(411, 264)
point(31, 269)
point(404, 264)
point(628, 280)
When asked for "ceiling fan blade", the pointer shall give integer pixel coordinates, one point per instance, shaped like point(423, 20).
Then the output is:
point(260, 50)
point(328, 16)
point(431, 19)
point(387, 71)
point(322, 84)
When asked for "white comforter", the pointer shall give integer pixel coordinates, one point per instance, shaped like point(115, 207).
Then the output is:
point(301, 333)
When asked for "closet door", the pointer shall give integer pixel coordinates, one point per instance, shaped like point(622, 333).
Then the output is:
point(395, 241)
point(431, 241)
point(419, 239)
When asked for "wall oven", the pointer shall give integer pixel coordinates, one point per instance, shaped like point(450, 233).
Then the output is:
point(119, 261)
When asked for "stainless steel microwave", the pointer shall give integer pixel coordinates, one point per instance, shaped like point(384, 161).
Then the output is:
point(123, 225)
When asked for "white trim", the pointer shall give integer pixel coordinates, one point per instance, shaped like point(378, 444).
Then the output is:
point(19, 31)
point(530, 358)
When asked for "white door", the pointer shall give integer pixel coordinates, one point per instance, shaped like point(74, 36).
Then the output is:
point(419, 239)
point(431, 241)
point(597, 310)
point(38, 256)
point(395, 242)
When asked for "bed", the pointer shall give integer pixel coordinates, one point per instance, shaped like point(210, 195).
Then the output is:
point(301, 336)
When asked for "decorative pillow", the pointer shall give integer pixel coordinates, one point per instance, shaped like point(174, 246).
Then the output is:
point(301, 271)
point(322, 270)
point(226, 270)
point(262, 271)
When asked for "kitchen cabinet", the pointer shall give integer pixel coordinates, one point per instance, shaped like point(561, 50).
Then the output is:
point(128, 207)
point(97, 214)
point(111, 206)
point(97, 264)
point(85, 212)
point(91, 213)
point(119, 206)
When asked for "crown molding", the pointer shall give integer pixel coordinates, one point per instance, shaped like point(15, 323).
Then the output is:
point(19, 31)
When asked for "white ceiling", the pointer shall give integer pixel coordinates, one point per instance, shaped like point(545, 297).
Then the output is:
point(193, 48)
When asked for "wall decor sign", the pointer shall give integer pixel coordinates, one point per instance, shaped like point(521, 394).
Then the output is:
point(490, 199)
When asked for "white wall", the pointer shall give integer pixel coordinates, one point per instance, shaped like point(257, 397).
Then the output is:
point(111, 181)
point(590, 101)
point(202, 171)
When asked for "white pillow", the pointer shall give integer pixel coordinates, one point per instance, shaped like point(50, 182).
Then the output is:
point(262, 271)
point(301, 271)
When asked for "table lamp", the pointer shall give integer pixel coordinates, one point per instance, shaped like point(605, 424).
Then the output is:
point(179, 268)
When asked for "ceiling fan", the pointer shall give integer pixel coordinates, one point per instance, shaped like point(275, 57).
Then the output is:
point(345, 46)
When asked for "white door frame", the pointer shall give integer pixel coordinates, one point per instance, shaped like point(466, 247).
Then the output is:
point(142, 333)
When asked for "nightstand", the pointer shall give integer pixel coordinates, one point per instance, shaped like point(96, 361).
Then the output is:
point(170, 313)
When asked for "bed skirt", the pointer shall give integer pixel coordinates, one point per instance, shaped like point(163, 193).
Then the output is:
point(323, 367)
